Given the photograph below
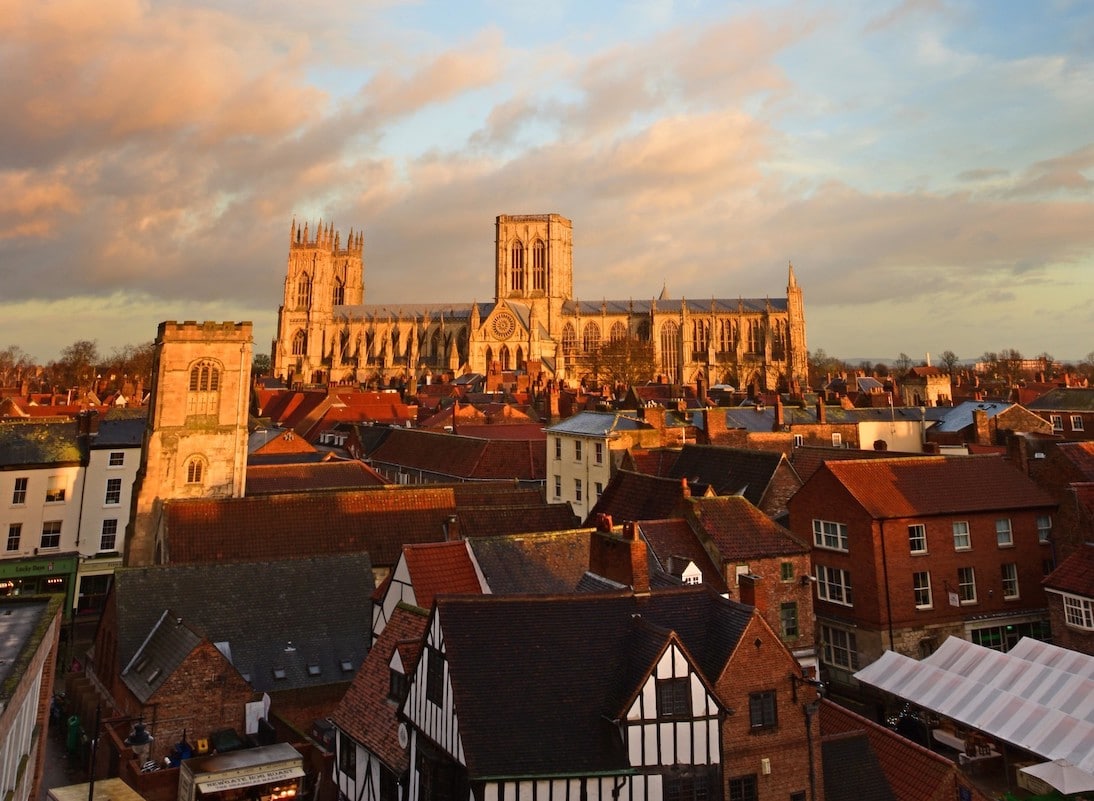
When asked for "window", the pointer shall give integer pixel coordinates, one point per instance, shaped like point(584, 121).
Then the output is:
point(347, 755)
point(577, 490)
point(558, 448)
point(921, 588)
point(1044, 528)
point(55, 490)
point(108, 540)
point(434, 677)
point(1076, 422)
point(303, 290)
point(1003, 534)
point(397, 686)
point(539, 266)
point(799, 440)
point(686, 783)
point(590, 337)
point(837, 440)
point(51, 534)
point(834, 585)
point(558, 486)
point(195, 470)
point(743, 788)
point(1003, 638)
point(116, 459)
point(840, 647)
point(786, 571)
point(577, 449)
point(917, 538)
point(204, 389)
point(19, 496)
point(598, 452)
point(827, 534)
point(113, 491)
point(516, 266)
point(1079, 612)
point(966, 585)
point(762, 710)
point(788, 619)
point(1010, 580)
point(299, 343)
point(674, 697)
point(599, 489)
point(961, 541)
point(338, 296)
point(1057, 421)
point(15, 533)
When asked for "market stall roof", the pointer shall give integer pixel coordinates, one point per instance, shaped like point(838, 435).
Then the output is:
point(1038, 696)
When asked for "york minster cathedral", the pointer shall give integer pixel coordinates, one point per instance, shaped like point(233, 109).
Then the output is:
point(326, 333)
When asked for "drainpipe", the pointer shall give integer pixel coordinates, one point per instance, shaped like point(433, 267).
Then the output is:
point(885, 575)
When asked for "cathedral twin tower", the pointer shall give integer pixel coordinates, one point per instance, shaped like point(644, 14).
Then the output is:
point(327, 334)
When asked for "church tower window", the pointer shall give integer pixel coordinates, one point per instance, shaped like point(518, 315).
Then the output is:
point(303, 291)
point(195, 470)
point(590, 337)
point(204, 390)
point(299, 343)
point(569, 339)
point(338, 297)
point(618, 332)
point(516, 267)
point(539, 266)
point(670, 348)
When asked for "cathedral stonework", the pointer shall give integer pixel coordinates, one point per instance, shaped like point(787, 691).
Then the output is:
point(327, 334)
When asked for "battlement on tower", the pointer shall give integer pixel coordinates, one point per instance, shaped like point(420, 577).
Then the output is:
point(209, 330)
point(326, 238)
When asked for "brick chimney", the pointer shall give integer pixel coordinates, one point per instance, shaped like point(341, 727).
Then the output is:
point(749, 591)
point(623, 560)
point(714, 423)
point(822, 414)
point(779, 416)
point(451, 527)
point(982, 425)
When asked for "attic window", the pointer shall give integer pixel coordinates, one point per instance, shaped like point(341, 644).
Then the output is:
point(142, 664)
point(154, 674)
point(313, 670)
point(279, 673)
point(347, 666)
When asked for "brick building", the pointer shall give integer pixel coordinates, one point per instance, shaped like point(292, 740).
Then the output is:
point(1070, 592)
point(908, 551)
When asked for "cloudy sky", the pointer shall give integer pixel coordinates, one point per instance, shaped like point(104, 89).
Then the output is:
point(926, 165)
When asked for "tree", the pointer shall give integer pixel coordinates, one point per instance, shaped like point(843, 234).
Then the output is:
point(821, 366)
point(261, 364)
point(15, 366)
point(130, 363)
point(76, 367)
point(949, 361)
point(625, 362)
point(903, 363)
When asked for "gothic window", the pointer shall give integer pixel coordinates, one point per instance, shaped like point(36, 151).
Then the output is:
point(618, 332)
point(520, 359)
point(303, 291)
point(569, 339)
point(539, 266)
point(489, 360)
point(516, 267)
point(435, 345)
point(339, 294)
point(461, 345)
point(299, 343)
point(670, 348)
point(755, 337)
point(204, 390)
point(503, 357)
point(644, 331)
point(195, 470)
point(778, 340)
point(590, 337)
point(700, 335)
point(728, 336)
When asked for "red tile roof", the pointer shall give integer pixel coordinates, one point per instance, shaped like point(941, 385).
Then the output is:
point(305, 476)
point(913, 487)
point(636, 496)
point(740, 531)
point(1079, 454)
point(673, 540)
point(441, 568)
point(1076, 573)
point(463, 457)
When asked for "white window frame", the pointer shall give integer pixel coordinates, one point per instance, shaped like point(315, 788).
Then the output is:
point(577, 450)
point(834, 585)
point(1078, 612)
point(558, 449)
point(1010, 580)
point(577, 490)
point(839, 647)
point(104, 533)
point(966, 590)
point(1077, 423)
point(56, 489)
point(598, 452)
point(19, 491)
point(917, 538)
point(113, 492)
point(961, 532)
point(1044, 528)
point(1057, 421)
point(558, 486)
point(837, 439)
point(799, 440)
point(116, 459)
point(1004, 533)
point(55, 529)
point(921, 590)
point(826, 532)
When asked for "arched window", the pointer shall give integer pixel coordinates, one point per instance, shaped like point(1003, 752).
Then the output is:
point(489, 360)
point(778, 340)
point(461, 346)
point(195, 470)
point(303, 291)
point(569, 339)
point(644, 331)
point(670, 348)
point(700, 335)
point(590, 337)
point(339, 295)
point(618, 332)
point(728, 336)
point(520, 359)
point(203, 396)
point(299, 343)
point(539, 266)
point(755, 337)
point(503, 357)
point(435, 345)
point(516, 267)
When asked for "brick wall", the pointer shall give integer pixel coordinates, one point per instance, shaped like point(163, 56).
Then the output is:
point(1062, 634)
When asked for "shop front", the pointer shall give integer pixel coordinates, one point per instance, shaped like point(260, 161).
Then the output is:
point(39, 575)
point(268, 773)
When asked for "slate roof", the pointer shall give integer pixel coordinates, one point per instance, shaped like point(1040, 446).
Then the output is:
point(441, 567)
point(489, 521)
point(673, 544)
point(594, 308)
point(740, 531)
point(637, 496)
point(365, 712)
point(729, 471)
point(264, 479)
point(937, 485)
point(914, 773)
point(462, 457)
point(1065, 399)
point(535, 652)
point(166, 648)
point(654, 462)
point(119, 433)
point(547, 563)
point(960, 417)
point(1075, 574)
point(598, 424)
point(285, 614)
point(38, 443)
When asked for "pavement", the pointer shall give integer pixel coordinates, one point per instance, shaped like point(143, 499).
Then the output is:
point(61, 768)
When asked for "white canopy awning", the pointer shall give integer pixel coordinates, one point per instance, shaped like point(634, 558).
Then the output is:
point(1038, 697)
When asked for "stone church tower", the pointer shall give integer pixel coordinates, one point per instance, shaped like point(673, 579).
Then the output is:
point(195, 443)
point(534, 263)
